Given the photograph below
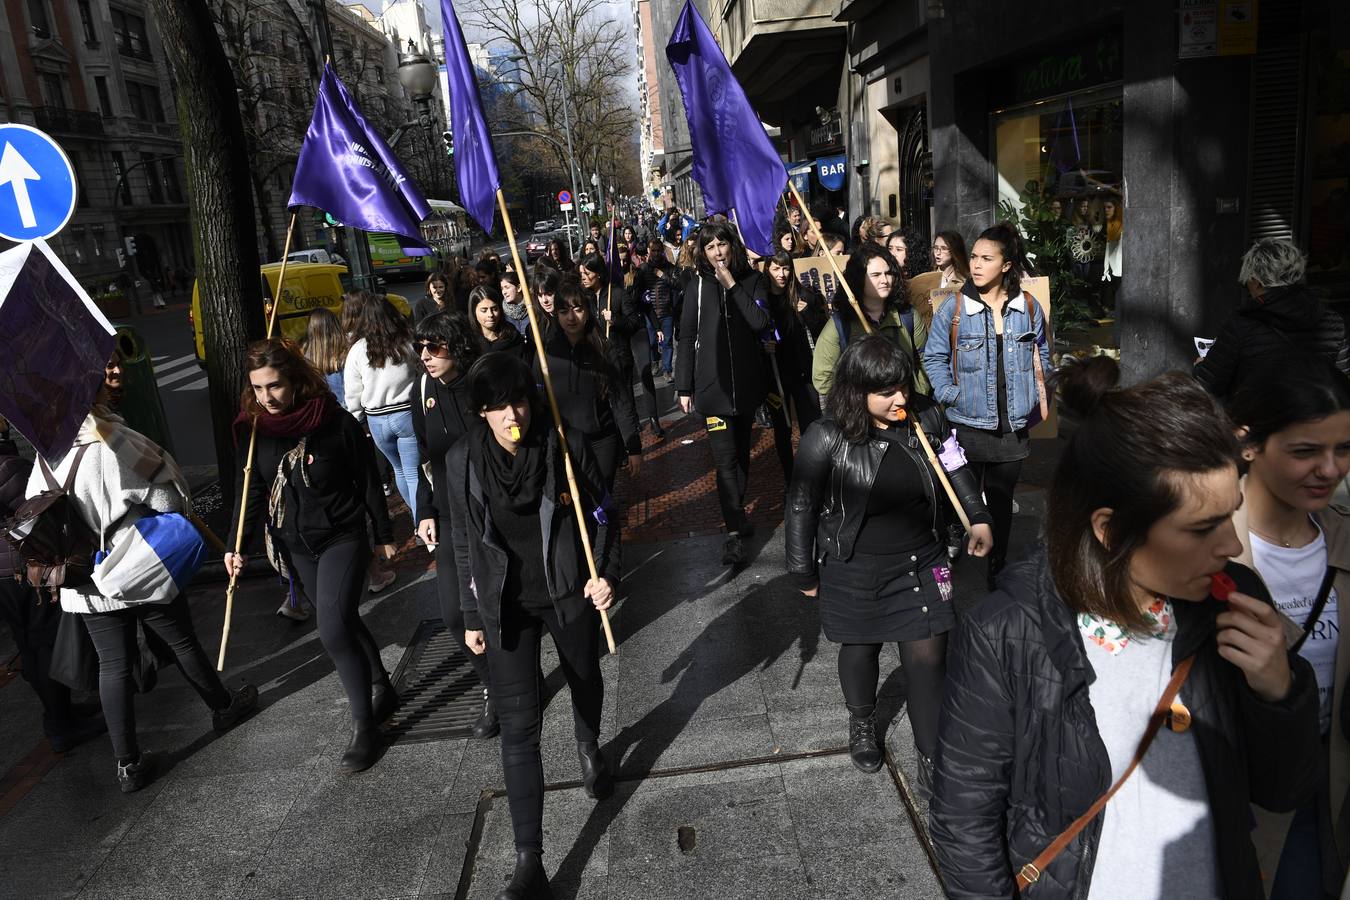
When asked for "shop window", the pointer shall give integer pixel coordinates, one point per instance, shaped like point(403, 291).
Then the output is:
point(1058, 168)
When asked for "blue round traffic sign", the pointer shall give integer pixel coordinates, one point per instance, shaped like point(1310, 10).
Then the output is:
point(37, 184)
point(564, 196)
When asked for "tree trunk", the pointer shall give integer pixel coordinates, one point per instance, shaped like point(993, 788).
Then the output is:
point(220, 199)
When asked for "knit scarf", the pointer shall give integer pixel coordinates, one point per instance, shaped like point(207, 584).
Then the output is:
point(298, 421)
point(514, 482)
point(515, 311)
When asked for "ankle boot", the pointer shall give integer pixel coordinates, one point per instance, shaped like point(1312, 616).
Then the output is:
point(364, 748)
point(595, 777)
point(530, 881)
point(384, 700)
point(923, 785)
point(862, 738)
point(487, 725)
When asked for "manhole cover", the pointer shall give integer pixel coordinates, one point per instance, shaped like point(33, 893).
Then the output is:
point(441, 696)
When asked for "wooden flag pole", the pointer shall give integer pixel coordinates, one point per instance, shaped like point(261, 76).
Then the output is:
point(248, 460)
point(609, 277)
point(557, 416)
point(834, 266)
point(941, 473)
point(782, 394)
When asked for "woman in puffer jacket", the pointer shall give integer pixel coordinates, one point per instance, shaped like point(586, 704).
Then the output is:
point(120, 477)
point(1056, 677)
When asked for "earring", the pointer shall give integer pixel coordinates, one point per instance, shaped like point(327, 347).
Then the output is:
point(1248, 455)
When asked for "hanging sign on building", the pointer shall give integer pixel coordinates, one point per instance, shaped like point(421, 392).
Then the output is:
point(831, 170)
point(800, 176)
point(1217, 28)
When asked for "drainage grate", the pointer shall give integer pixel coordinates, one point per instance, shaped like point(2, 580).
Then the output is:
point(441, 696)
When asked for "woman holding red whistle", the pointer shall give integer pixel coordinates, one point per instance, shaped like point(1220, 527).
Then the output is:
point(1107, 720)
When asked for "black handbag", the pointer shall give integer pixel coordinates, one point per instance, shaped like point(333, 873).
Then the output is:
point(74, 659)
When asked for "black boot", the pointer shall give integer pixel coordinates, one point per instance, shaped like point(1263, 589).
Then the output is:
point(923, 785)
point(530, 881)
point(595, 777)
point(862, 738)
point(487, 725)
point(364, 748)
point(657, 430)
point(384, 700)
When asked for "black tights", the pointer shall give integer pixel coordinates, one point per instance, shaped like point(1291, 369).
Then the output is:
point(447, 592)
point(925, 665)
point(515, 685)
point(114, 636)
point(334, 583)
point(999, 480)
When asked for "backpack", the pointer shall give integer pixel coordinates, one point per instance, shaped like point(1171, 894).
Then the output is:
point(51, 538)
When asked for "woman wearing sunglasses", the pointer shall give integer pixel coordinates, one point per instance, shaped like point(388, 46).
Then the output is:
point(447, 346)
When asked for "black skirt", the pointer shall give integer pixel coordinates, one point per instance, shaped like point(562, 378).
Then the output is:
point(874, 598)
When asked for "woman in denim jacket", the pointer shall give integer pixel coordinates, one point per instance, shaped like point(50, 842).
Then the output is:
point(989, 382)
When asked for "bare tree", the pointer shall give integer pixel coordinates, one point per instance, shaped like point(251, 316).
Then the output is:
point(215, 157)
point(571, 44)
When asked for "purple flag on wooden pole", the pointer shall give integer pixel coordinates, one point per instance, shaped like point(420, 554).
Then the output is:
point(348, 171)
point(734, 162)
point(55, 343)
point(475, 162)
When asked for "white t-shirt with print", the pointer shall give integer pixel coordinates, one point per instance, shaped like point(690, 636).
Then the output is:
point(1293, 575)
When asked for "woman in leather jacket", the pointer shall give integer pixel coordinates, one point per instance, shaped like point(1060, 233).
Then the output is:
point(865, 502)
point(1055, 677)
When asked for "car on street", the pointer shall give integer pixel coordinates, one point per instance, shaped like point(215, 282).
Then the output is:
point(542, 226)
point(536, 246)
point(315, 256)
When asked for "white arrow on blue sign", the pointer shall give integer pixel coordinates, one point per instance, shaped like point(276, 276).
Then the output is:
point(37, 184)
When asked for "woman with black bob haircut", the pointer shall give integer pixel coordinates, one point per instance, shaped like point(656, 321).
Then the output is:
point(442, 415)
point(592, 394)
point(874, 277)
point(867, 504)
point(508, 489)
point(719, 369)
point(542, 293)
point(1058, 678)
point(314, 489)
point(1293, 421)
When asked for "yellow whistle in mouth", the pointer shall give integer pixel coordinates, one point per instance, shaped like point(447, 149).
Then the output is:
point(515, 432)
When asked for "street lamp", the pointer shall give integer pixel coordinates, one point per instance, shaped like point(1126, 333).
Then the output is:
point(418, 77)
point(571, 159)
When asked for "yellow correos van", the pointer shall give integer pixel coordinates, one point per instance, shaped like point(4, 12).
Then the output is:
point(308, 286)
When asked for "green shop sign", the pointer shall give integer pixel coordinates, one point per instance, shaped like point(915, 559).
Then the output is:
point(1085, 63)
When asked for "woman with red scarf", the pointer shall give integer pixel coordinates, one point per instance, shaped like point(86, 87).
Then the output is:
point(316, 484)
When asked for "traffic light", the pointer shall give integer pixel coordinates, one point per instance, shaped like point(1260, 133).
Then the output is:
point(130, 243)
point(449, 139)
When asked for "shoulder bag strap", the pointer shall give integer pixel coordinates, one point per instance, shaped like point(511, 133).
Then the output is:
point(70, 476)
point(1031, 872)
point(1323, 594)
point(956, 327)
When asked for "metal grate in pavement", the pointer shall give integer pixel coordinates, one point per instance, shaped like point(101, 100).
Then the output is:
point(441, 696)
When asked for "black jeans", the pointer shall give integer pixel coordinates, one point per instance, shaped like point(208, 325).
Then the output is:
point(999, 480)
point(34, 622)
point(731, 444)
point(335, 583)
point(515, 685)
point(114, 637)
point(447, 592)
point(925, 665)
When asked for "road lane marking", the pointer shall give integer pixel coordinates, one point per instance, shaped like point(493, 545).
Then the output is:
point(194, 386)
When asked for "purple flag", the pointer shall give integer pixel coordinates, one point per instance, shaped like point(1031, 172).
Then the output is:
point(475, 163)
point(348, 171)
point(734, 162)
point(55, 343)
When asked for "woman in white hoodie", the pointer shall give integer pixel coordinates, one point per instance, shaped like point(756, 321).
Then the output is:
point(378, 380)
point(120, 477)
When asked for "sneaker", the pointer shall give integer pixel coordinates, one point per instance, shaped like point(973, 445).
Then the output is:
point(1017, 507)
point(242, 702)
point(733, 551)
point(388, 489)
point(294, 613)
point(379, 582)
point(136, 774)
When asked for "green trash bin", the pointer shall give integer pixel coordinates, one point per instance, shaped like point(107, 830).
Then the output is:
point(141, 405)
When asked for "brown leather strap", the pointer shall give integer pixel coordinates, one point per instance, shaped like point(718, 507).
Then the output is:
point(70, 476)
point(1030, 873)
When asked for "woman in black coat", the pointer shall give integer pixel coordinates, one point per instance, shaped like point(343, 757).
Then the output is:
point(316, 485)
point(867, 504)
point(488, 318)
point(508, 490)
point(592, 394)
point(720, 369)
point(790, 351)
point(447, 347)
point(619, 317)
point(1055, 677)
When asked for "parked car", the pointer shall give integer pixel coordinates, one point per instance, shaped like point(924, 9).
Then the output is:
point(315, 256)
point(536, 246)
point(542, 226)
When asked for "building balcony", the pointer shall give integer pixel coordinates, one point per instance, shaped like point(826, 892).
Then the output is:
point(61, 121)
point(787, 54)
